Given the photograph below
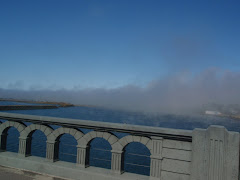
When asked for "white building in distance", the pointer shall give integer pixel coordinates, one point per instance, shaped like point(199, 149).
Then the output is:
point(213, 113)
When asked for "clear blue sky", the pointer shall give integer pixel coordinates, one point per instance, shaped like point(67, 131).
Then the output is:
point(97, 43)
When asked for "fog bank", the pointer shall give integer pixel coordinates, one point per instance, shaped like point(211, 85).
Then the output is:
point(177, 93)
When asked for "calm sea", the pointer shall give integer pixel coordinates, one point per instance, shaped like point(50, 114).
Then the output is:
point(136, 155)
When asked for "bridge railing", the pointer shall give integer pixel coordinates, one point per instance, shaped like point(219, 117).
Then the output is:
point(174, 154)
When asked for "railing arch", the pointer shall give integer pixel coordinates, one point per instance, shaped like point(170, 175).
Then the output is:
point(53, 141)
point(8, 124)
point(57, 133)
point(3, 131)
point(29, 130)
point(123, 142)
point(83, 145)
point(25, 139)
point(118, 150)
point(87, 138)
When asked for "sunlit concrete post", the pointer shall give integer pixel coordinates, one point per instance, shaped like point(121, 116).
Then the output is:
point(3, 142)
point(52, 151)
point(215, 154)
point(156, 158)
point(117, 161)
point(24, 146)
point(83, 156)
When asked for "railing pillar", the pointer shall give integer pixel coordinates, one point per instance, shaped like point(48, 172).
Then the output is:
point(83, 156)
point(52, 151)
point(117, 161)
point(24, 146)
point(215, 154)
point(3, 142)
point(156, 158)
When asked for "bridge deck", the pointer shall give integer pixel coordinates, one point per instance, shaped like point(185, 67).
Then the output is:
point(7, 173)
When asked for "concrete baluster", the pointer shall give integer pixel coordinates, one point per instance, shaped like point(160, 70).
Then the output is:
point(117, 161)
point(52, 151)
point(83, 156)
point(24, 146)
point(156, 158)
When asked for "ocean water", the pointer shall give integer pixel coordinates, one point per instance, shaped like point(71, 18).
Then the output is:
point(136, 156)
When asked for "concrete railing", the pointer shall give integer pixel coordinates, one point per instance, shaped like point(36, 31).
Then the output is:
point(201, 154)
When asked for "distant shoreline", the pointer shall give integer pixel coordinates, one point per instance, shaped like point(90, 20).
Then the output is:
point(42, 104)
point(224, 115)
point(60, 104)
point(39, 105)
point(26, 107)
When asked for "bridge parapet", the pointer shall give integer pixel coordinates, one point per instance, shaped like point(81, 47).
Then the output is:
point(201, 154)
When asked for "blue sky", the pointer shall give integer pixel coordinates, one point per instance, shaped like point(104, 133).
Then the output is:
point(55, 44)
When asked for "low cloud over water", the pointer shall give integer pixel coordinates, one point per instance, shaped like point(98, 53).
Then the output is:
point(177, 93)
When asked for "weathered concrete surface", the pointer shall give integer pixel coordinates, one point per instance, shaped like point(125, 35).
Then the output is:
point(215, 154)
point(63, 169)
point(8, 173)
point(201, 154)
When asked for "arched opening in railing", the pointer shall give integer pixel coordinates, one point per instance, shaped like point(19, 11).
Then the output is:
point(38, 144)
point(100, 153)
point(137, 158)
point(12, 139)
point(67, 148)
